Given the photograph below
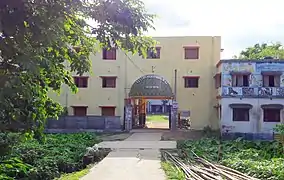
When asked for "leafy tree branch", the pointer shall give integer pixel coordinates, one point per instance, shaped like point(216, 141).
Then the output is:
point(261, 51)
point(42, 42)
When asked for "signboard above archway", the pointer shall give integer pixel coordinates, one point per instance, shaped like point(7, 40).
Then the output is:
point(151, 86)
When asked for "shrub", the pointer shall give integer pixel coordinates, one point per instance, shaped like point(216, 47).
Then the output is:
point(7, 140)
point(61, 153)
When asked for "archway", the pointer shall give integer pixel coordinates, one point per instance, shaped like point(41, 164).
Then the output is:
point(147, 87)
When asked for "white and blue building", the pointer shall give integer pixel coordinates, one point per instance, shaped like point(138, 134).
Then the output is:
point(250, 97)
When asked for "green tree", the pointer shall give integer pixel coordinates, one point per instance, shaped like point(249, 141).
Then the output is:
point(260, 51)
point(43, 41)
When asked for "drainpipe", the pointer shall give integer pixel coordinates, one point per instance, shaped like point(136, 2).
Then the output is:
point(175, 85)
point(174, 119)
point(125, 77)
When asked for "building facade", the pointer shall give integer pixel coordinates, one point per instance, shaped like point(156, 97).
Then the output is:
point(251, 95)
point(157, 106)
point(103, 91)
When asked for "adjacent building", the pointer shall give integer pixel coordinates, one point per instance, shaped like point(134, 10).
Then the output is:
point(250, 96)
point(103, 91)
point(157, 106)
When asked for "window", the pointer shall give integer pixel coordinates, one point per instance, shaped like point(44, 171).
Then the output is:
point(191, 52)
point(108, 82)
point(271, 80)
point(191, 82)
point(271, 115)
point(151, 54)
point(240, 80)
point(79, 111)
point(109, 54)
point(217, 80)
point(81, 82)
point(240, 114)
point(108, 111)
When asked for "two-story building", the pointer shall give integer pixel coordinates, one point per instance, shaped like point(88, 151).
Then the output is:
point(251, 96)
point(103, 91)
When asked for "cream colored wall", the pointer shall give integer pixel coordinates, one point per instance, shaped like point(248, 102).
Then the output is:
point(199, 101)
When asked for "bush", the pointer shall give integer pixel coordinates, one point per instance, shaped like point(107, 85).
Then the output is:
point(7, 140)
point(61, 153)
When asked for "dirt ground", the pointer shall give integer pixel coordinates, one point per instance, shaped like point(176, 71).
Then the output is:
point(115, 136)
point(182, 135)
point(167, 135)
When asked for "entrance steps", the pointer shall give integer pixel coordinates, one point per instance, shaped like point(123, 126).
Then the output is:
point(140, 141)
point(138, 144)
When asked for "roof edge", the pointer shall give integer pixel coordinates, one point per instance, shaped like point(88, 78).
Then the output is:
point(253, 60)
point(249, 61)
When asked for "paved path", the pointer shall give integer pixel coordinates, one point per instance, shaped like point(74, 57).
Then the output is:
point(135, 158)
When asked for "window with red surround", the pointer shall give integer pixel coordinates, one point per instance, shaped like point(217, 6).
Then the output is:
point(217, 80)
point(108, 82)
point(81, 82)
point(79, 110)
point(191, 82)
point(109, 54)
point(240, 114)
point(151, 54)
point(191, 52)
point(107, 111)
point(271, 115)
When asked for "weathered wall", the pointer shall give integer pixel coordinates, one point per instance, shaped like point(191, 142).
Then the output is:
point(255, 124)
point(75, 123)
point(255, 68)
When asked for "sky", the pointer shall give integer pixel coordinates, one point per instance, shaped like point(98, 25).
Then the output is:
point(240, 23)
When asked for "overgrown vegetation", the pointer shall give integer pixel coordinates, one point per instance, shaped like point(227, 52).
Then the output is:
point(61, 153)
point(259, 159)
point(280, 130)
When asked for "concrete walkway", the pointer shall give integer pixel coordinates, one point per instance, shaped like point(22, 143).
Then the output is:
point(136, 158)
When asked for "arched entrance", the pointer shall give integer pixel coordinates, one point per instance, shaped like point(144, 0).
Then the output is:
point(149, 86)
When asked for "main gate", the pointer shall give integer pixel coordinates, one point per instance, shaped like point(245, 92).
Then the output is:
point(146, 87)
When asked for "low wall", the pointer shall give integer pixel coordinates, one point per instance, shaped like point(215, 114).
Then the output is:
point(249, 136)
point(84, 124)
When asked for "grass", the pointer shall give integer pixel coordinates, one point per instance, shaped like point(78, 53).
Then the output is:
point(156, 118)
point(172, 172)
point(260, 159)
point(76, 175)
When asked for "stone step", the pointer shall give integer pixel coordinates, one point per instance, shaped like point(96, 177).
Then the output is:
point(138, 144)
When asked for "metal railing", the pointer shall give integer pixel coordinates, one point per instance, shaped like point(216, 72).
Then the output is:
point(253, 91)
